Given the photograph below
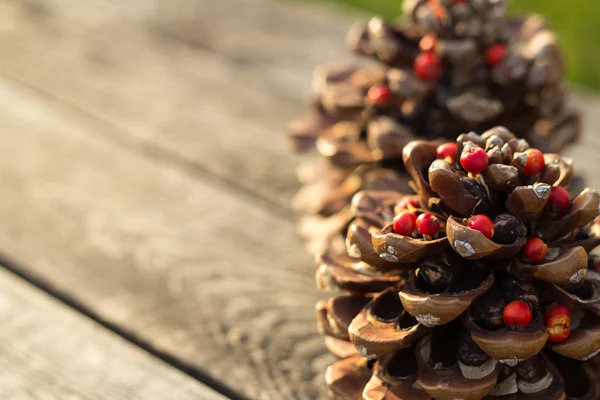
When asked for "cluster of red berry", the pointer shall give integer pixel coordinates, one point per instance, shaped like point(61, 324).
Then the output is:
point(406, 222)
point(428, 67)
point(475, 160)
point(517, 314)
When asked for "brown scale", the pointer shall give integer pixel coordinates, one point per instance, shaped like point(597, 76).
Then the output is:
point(383, 325)
point(469, 352)
point(579, 381)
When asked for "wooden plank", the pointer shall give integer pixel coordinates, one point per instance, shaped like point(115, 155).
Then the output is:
point(282, 41)
point(585, 152)
point(207, 110)
point(195, 271)
point(49, 351)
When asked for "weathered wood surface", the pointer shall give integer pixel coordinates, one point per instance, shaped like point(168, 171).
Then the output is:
point(191, 268)
point(47, 351)
point(211, 112)
point(148, 179)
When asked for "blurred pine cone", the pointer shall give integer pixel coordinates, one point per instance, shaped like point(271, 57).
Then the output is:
point(446, 66)
point(479, 286)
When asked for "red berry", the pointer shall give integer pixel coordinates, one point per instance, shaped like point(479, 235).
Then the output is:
point(495, 54)
point(428, 67)
point(437, 9)
point(558, 328)
point(594, 261)
point(556, 309)
point(517, 314)
point(405, 223)
point(483, 224)
point(379, 94)
point(559, 199)
point(427, 224)
point(447, 150)
point(535, 250)
point(407, 203)
point(428, 43)
point(535, 162)
point(474, 159)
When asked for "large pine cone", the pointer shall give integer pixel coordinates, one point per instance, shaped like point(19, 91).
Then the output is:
point(447, 66)
point(428, 307)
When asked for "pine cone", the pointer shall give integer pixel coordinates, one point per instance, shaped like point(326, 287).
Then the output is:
point(479, 286)
point(447, 66)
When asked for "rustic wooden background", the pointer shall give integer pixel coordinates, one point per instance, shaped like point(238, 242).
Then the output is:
point(147, 238)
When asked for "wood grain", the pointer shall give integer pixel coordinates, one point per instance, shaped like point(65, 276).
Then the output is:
point(203, 109)
point(47, 351)
point(585, 152)
point(281, 41)
point(190, 268)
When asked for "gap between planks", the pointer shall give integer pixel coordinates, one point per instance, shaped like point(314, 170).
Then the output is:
point(49, 350)
point(70, 301)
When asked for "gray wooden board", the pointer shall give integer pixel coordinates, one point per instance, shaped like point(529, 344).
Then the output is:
point(280, 40)
point(192, 269)
point(48, 351)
